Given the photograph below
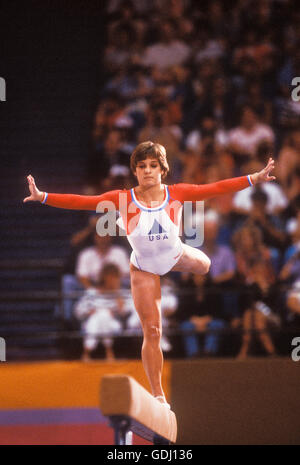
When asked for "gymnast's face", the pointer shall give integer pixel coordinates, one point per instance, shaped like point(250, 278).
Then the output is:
point(148, 172)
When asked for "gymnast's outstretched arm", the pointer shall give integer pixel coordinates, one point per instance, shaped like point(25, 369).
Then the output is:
point(193, 192)
point(71, 201)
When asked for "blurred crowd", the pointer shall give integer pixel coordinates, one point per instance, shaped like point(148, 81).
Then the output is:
point(212, 82)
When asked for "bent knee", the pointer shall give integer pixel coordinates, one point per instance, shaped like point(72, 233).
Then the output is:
point(205, 265)
point(152, 331)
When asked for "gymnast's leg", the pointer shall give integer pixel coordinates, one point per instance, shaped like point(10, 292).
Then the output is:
point(193, 261)
point(146, 293)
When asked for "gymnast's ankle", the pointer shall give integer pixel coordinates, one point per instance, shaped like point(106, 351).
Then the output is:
point(163, 401)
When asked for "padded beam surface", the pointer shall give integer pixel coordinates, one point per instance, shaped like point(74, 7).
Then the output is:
point(121, 395)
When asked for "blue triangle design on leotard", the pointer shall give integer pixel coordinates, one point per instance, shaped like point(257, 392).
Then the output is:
point(156, 228)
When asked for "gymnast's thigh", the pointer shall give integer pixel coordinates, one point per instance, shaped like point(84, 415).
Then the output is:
point(146, 294)
point(192, 260)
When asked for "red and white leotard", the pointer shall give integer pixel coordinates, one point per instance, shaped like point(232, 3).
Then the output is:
point(153, 233)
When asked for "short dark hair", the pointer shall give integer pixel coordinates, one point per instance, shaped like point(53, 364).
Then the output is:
point(110, 268)
point(245, 107)
point(150, 149)
point(259, 196)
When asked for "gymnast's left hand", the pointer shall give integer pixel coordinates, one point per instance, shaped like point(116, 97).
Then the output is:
point(264, 174)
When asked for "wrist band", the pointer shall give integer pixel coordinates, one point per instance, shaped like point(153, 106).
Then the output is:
point(249, 180)
point(45, 197)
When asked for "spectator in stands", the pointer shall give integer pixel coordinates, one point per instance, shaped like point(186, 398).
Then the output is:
point(225, 161)
point(133, 83)
point(109, 156)
point(253, 95)
point(271, 227)
point(258, 304)
point(249, 248)
point(125, 16)
point(191, 165)
point(199, 311)
point(223, 265)
point(228, 220)
point(216, 19)
point(288, 109)
point(211, 49)
point(92, 259)
point(290, 272)
point(277, 200)
point(293, 305)
point(242, 75)
point(204, 139)
point(293, 189)
point(109, 111)
point(164, 81)
point(199, 83)
point(159, 129)
point(175, 9)
point(293, 227)
point(257, 47)
point(288, 158)
point(289, 68)
point(219, 101)
point(245, 138)
point(117, 52)
point(69, 282)
point(182, 90)
point(103, 310)
point(169, 51)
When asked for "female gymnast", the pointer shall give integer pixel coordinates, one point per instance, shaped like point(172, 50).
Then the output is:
point(152, 229)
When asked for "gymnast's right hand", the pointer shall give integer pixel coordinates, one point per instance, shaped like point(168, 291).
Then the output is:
point(36, 194)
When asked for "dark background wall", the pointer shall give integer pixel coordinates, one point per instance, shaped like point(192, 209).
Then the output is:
point(51, 61)
point(230, 402)
point(50, 58)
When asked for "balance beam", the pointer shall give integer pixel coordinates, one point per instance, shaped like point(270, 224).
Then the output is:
point(131, 408)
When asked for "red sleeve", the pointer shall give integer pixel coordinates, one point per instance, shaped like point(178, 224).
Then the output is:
point(195, 192)
point(83, 202)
